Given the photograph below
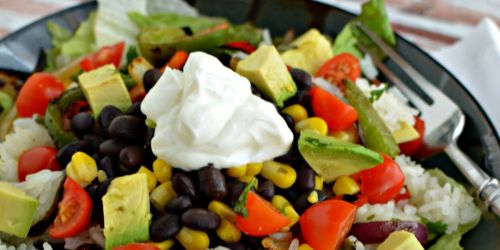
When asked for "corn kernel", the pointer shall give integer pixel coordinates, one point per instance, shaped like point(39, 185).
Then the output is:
point(304, 246)
point(82, 168)
point(254, 169)
point(318, 182)
point(150, 176)
point(313, 197)
point(247, 179)
point(228, 232)
point(164, 245)
point(314, 123)
point(221, 209)
point(150, 123)
point(192, 239)
point(161, 195)
point(237, 172)
point(345, 185)
point(296, 111)
point(282, 175)
point(101, 176)
point(290, 212)
point(162, 170)
point(279, 202)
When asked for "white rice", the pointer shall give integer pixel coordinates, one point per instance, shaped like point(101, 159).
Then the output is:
point(23, 246)
point(447, 204)
point(25, 135)
point(358, 245)
point(393, 109)
point(388, 211)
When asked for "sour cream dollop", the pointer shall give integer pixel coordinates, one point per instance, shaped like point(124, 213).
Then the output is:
point(208, 114)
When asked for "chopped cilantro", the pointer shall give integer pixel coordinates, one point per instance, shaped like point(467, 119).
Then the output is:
point(436, 227)
point(240, 206)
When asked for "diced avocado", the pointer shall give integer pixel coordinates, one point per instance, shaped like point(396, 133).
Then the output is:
point(311, 51)
point(375, 134)
point(268, 72)
point(331, 158)
point(405, 134)
point(104, 86)
point(126, 211)
point(400, 240)
point(17, 210)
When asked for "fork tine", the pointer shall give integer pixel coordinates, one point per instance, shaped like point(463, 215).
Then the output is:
point(414, 98)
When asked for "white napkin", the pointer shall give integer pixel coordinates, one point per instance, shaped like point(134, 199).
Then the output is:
point(475, 61)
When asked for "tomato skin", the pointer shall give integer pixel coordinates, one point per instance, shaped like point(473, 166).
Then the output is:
point(241, 45)
point(137, 246)
point(263, 219)
point(411, 147)
point(36, 159)
point(74, 211)
point(340, 67)
point(177, 61)
point(337, 114)
point(36, 93)
point(326, 224)
point(106, 55)
point(383, 182)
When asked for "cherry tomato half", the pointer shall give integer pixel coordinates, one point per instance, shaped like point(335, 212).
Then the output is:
point(36, 159)
point(74, 211)
point(263, 219)
point(36, 93)
point(326, 224)
point(411, 147)
point(340, 67)
point(106, 55)
point(337, 114)
point(383, 182)
point(137, 246)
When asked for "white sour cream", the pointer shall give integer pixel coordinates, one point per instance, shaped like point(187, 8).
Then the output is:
point(207, 114)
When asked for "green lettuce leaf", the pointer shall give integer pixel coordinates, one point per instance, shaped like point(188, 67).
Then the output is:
point(160, 20)
point(374, 17)
point(67, 47)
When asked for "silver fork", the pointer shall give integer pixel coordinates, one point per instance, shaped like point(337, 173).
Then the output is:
point(443, 119)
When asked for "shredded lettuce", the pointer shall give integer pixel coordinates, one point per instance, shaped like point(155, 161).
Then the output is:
point(160, 20)
point(374, 17)
point(67, 47)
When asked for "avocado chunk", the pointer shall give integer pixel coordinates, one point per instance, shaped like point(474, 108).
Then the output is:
point(311, 50)
point(265, 69)
point(331, 158)
point(405, 134)
point(400, 240)
point(17, 210)
point(126, 210)
point(375, 134)
point(104, 86)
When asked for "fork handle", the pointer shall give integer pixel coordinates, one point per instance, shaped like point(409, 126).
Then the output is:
point(488, 188)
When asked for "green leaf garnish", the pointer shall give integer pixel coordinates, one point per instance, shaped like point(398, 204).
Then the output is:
point(240, 206)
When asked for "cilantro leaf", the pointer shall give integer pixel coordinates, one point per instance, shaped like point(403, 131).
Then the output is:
point(240, 206)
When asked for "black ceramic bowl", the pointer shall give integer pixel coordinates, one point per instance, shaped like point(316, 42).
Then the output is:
point(20, 51)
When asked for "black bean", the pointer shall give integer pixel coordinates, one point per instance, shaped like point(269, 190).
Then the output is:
point(289, 121)
point(187, 30)
point(103, 188)
point(235, 246)
point(64, 154)
point(200, 219)
point(149, 136)
point(135, 110)
point(97, 158)
point(350, 197)
point(82, 122)
point(107, 115)
point(304, 98)
point(301, 78)
point(305, 178)
point(255, 91)
point(212, 182)
point(93, 140)
point(266, 190)
point(128, 128)
point(183, 185)
point(224, 58)
point(109, 166)
point(301, 204)
point(165, 227)
point(235, 190)
point(111, 147)
point(150, 78)
point(179, 204)
point(92, 189)
point(132, 156)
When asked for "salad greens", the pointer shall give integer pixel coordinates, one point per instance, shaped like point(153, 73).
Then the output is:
point(196, 24)
point(374, 17)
